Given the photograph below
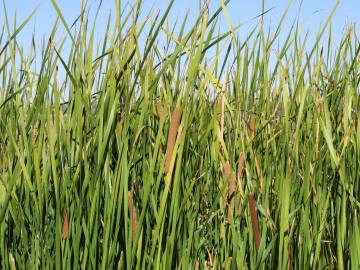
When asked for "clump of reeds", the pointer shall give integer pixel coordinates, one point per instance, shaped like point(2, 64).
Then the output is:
point(83, 128)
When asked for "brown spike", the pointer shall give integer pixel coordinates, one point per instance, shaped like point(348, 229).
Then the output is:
point(65, 227)
point(254, 221)
point(226, 183)
point(226, 177)
point(159, 109)
point(251, 126)
point(239, 178)
point(133, 215)
point(240, 166)
point(231, 195)
point(226, 170)
point(174, 125)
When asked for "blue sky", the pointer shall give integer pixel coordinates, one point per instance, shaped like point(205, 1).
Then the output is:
point(312, 14)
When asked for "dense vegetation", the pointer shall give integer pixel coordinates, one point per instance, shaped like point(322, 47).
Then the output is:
point(179, 146)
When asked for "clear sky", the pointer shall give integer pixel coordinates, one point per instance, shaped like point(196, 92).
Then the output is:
point(312, 13)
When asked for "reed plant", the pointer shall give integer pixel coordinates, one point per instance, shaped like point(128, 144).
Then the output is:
point(178, 146)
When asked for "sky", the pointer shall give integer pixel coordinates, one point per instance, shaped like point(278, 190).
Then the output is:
point(311, 14)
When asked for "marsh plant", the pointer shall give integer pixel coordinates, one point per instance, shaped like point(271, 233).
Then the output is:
point(164, 146)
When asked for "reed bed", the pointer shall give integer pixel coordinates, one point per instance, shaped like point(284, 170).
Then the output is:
point(261, 169)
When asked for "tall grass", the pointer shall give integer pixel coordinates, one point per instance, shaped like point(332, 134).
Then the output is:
point(84, 179)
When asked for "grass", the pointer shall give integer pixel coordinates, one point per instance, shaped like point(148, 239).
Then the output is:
point(178, 146)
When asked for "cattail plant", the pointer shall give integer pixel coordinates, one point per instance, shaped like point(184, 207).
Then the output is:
point(231, 195)
point(85, 118)
point(239, 179)
point(254, 221)
point(174, 125)
point(225, 182)
point(132, 211)
point(240, 167)
point(251, 125)
point(159, 109)
point(65, 226)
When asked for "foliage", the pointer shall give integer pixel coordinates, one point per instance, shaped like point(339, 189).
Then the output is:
point(146, 152)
